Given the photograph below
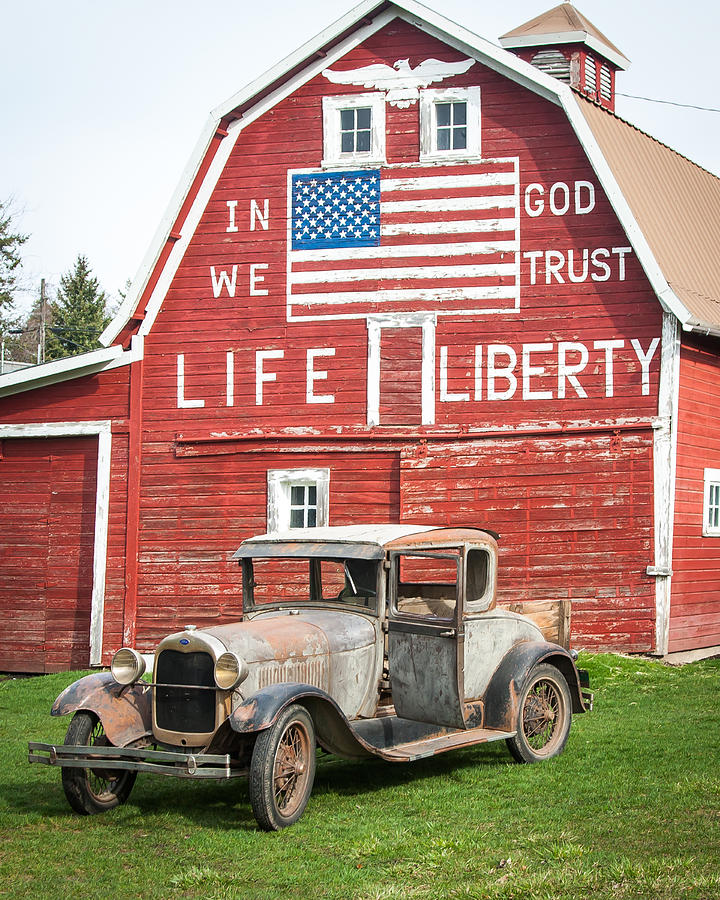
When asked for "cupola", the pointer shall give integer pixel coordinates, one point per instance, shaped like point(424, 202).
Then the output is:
point(566, 45)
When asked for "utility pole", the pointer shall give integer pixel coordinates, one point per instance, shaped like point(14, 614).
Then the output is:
point(43, 321)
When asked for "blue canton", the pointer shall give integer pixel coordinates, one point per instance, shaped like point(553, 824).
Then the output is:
point(336, 209)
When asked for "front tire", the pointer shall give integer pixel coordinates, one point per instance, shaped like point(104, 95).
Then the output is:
point(544, 715)
point(92, 791)
point(282, 769)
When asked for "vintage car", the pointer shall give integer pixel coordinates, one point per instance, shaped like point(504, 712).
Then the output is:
point(374, 640)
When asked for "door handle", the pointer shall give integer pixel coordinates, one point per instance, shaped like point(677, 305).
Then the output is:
point(450, 633)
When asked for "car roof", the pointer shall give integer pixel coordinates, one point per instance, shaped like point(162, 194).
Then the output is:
point(369, 541)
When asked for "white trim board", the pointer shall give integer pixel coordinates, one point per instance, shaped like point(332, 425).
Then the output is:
point(102, 502)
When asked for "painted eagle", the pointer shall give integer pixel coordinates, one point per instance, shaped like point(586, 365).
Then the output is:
point(401, 82)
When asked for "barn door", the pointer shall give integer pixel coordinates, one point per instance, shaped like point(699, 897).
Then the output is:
point(47, 529)
point(426, 637)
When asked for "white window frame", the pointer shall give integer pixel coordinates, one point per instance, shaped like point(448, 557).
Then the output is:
point(428, 124)
point(279, 483)
point(332, 154)
point(711, 480)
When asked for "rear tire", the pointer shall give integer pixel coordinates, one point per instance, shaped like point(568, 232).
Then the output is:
point(282, 769)
point(92, 791)
point(544, 716)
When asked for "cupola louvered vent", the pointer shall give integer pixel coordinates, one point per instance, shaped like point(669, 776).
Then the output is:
point(606, 90)
point(590, 75)
point(553, 63)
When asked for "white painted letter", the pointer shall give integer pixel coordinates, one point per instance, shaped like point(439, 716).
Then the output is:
point(581, 210)
point(528, 371)
point(262, 217)
point(229, 379)
point(621, 252)
point(601, 251)
point(608, 347)
point(444, 396)
point(312, 376)
point(255, 278)
point(553, 268)
point(478, 371)
point(181, 401)
point(571, 266)
point(218, 283)
point(262, 377)
point(231, 204)
point(494, 372)
point(539, 205)
point(645, 359)
point(569, 373)
point(533, 256)
point(563, 189)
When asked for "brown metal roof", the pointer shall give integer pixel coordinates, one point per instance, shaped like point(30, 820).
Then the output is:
point(560, 20)
point(675, 202)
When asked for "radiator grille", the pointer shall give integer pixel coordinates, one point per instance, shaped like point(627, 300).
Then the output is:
point(185, 709)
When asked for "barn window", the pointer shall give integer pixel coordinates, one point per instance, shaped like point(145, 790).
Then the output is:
point(297, 498)
point(354, 129)
point(450, 124)
point(711, 504)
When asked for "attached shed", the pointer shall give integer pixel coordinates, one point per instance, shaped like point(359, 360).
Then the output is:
point(409, 277)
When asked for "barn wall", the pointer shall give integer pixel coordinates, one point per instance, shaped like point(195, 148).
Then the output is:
point(695, 605)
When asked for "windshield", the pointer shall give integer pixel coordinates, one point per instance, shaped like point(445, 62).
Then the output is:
point(347, 581)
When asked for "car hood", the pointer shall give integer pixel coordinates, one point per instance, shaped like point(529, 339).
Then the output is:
point(278, 635)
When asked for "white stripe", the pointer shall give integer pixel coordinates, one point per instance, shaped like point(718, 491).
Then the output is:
point(443, 182)
point(329, 277)
point(440, 295)
point(468, 248)
point(449, 203)
point(465, 226)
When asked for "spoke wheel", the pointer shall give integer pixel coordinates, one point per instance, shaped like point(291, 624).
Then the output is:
point(91, 791)
point(543, 717)
point(282, 770)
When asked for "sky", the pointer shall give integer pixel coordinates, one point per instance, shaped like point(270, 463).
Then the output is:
point(103, 102)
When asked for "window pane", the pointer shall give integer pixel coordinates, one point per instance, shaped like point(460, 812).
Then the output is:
point(312, 495)
point(347, 119)
point(297, 519)
point(297, 495)
point(363, 141)
point(363, 117)
point(347, 142)
point(311, 518)
point(443, 114)
point(459, 138)
point(443, 139)
point(459, 113)
point(426, 586)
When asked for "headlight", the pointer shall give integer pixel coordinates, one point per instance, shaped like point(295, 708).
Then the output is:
point(230, 671)
point(127, 666)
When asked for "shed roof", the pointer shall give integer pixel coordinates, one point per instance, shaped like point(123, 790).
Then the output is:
point(563, 24)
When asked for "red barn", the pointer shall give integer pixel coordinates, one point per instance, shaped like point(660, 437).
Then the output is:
point(410, 276)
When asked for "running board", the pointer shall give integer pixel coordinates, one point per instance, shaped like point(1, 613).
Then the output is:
point(403, 740)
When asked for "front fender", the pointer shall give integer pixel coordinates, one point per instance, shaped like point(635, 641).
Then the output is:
point(124, 710)
point(503, 694)
point(334, 732)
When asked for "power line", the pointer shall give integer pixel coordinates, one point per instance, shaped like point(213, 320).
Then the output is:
point(669, 102)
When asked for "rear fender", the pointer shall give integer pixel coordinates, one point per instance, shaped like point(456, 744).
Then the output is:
point(124, 710)
point(334, 732)
point(503, 694)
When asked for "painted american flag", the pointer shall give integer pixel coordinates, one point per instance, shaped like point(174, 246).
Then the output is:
point(443, 238)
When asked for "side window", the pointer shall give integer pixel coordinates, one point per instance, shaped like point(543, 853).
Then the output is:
point(354, 129)
point(711, 503)
point(478, 580)
point(297, 498)
point(450, 124)
point(426, 584)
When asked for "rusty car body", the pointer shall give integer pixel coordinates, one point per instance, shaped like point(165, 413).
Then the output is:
point(377, 640)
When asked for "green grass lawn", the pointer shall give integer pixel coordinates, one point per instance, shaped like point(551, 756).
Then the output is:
point(630, 810)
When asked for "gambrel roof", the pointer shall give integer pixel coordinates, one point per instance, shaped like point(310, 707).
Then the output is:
point(667, 205)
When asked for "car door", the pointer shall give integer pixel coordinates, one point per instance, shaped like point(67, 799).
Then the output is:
point(426, 637)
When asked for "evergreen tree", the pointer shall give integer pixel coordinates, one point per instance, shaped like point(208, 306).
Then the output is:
point(78, 315)
point(10, 243)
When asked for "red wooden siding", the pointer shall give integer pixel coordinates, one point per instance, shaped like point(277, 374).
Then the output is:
point(47, 530)
point(695, 601)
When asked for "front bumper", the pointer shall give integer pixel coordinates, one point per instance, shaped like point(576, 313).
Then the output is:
point(131, 759)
